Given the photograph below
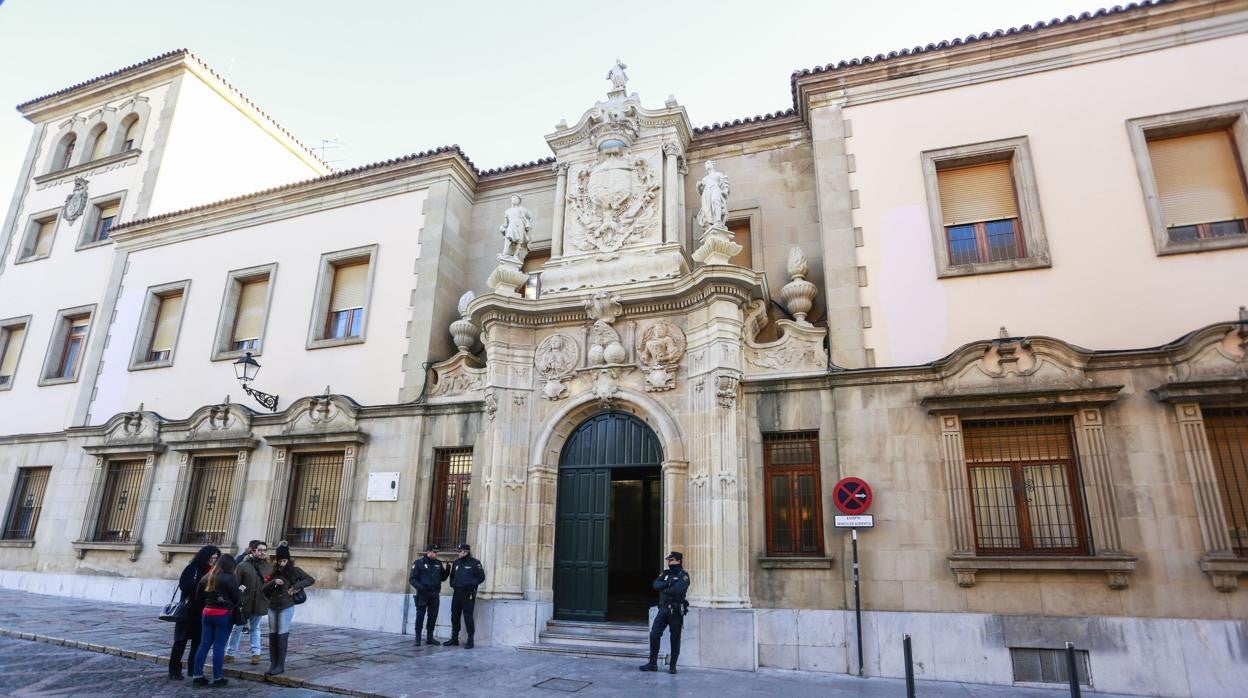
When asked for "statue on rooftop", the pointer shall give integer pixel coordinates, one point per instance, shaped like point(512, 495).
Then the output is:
point(617, 77)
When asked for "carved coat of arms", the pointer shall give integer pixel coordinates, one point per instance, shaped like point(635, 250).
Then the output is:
point(76, 202)
point(615, 201)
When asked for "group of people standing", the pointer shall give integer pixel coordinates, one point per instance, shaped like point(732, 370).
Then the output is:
point(213, 586)
point(427, 575)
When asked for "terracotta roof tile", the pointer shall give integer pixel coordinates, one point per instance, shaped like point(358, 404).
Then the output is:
point(540, 162)
point(757, 118)
point(105, 76)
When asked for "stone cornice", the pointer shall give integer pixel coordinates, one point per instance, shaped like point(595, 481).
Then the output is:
point(1019, 52)
point(86, 167)
point(127, 80)
point(46, 437)
point(1207, 391)
point(1014, 400)
point(747, 133)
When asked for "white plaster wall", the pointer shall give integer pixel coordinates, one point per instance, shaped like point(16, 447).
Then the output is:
point(66, 278)
point(368, 372)
point(1107, 288)
point(216, 150)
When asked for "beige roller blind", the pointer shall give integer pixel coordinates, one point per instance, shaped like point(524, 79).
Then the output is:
point(348, 287)
point(12, 345)
point(109, 211)
point(1198, 179)
point(977, 193)
point(250, 310)
point(43, 238)
point(167, 323)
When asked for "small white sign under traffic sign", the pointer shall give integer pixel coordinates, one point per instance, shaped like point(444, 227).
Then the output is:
point(855, 521)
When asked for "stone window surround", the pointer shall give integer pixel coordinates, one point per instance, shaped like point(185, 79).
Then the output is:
point(5, 324)
point(147, 324)
point(824, 559)
point(753, 216)
point(95, 500)
point(90, 217)
point(26, 251)
point(325, 288)
point(234, 281)
point(1018, 152)
point(18, 542)
point(286, 446)
point(1191, 121)
point(1084, 406)
point(56, 344)
point(188, 451)
point(1188, 398)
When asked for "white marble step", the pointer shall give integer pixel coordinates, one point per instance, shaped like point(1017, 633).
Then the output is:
point(590, 651)
point(642, 642)
point(636, 631)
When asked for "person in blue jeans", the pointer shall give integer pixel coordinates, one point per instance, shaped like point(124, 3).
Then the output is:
point(281, 591)
point(252, 572)
point(219, 592)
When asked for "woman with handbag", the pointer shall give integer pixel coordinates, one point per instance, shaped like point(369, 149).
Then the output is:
point(220, 594)
point(284, 590)
point(186, 627)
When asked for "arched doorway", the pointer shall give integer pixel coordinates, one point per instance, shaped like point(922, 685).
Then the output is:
point(608, 527)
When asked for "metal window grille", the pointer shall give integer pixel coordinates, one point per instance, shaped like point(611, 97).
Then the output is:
point(1227, 432)
point(120, 503)
point(452, 483)
point(312, 518)
point(208, 502)
point(792, 493)
point(1043, 665)
point(26, 503)
point(1025, 488)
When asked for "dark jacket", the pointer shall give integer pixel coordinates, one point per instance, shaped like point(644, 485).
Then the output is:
point(672, 585)
point(428, 574)
point(188, 584)
point(467, 573)
point(224, 594)
point(253, 574)
point(292, 578)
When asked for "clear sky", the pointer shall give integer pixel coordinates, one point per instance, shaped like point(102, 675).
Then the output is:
point(390, 77)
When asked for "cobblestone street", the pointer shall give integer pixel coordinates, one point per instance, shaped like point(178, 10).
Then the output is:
point(56, 646)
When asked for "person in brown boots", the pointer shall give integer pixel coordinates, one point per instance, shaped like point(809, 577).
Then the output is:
point(284, 591)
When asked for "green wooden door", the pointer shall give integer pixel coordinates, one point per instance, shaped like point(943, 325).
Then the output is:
point(602, 443)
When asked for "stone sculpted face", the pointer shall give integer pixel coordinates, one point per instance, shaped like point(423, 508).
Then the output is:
point(515, 199)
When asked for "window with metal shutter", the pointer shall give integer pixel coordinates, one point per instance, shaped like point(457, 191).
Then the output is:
point(43, 237)
point(167, 323)
point(977, 193)
point(1198, 179)
point(250, 310)
point(348, 287)
point(12, 338)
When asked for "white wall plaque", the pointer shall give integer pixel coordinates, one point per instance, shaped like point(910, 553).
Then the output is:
point(383, 487)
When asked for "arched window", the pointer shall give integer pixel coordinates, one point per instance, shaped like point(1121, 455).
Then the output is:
point(65, 154)
point(99, 147)
point(132, 134)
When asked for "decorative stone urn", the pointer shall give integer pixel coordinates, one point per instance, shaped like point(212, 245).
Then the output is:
point(799, 294)
point(463, 332)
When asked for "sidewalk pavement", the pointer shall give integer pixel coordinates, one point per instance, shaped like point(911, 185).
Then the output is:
point(366, 663)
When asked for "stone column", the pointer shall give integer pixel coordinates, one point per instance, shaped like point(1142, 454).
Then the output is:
point(671, 185)
point(177, 514)
point(954, 460)
point(539, 544)
point(1213, 529)
point(1098, 482)
point(561, 195)
point(675, 475)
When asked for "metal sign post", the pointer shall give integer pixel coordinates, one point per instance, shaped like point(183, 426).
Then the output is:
point(853, 497)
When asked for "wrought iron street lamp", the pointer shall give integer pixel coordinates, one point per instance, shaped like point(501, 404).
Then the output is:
point(246, 369)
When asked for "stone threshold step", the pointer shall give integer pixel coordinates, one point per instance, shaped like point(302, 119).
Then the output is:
point(588, 651)
point(598, 625)
point(642, 642)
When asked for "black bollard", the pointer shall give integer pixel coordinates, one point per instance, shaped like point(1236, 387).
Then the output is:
point(905, 645)
point(1072, 670)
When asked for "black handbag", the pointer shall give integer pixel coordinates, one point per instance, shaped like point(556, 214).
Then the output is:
point(237, 617)
point(173, 611)
point(298, 597)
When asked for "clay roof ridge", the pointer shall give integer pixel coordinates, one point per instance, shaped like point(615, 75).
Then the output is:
point(540, 162)
point(105, 76)
point(757, 118)
point(381, 164)
point(972, 38)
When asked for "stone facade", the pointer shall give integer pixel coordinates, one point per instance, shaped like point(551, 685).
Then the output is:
point(806, 301)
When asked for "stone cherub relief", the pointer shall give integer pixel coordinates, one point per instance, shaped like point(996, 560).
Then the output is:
point(516, 228)
point(556, 360)
point(659, 349)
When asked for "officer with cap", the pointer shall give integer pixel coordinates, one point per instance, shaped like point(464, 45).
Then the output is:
point(466, 575)
point(672, 585)
point(427, 576)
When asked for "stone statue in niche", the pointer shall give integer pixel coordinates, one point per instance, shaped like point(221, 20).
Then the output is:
point(517, 222)
point(556, 360)
point(617, 76)
point(714, 189)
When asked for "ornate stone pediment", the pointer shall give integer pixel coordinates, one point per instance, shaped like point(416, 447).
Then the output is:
point(129, 432)
point(462, 375)
point(1220, 351)
point(799, 350)
point(226, 425)
point(321, 418)
point(1016, 362)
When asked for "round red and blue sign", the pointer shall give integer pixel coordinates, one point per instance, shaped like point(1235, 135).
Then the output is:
point(852, 495)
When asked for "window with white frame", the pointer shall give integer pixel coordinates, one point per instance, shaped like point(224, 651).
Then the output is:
point(159, 326)
point(12, 338)
point(244, 312)
point(343, 292)
point(68, 346)
point(37, 242)
point(984, 209)
point(1191, 167)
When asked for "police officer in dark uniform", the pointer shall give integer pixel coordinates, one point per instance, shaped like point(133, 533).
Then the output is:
point(427, 576)
point(672, 585)
point(466, 575)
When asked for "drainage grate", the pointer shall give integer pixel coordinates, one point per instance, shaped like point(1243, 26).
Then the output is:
point(565, 685)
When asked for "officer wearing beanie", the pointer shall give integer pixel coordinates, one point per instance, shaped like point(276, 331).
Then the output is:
point(466, 575)
point(427, 576)
point(672, 585)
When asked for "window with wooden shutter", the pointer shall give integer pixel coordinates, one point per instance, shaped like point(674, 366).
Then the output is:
point(1226, 429)
point(792, 494)
point(165, 333)
point(11, 338)
point(979, 208)
point(249, 317)
point(346, 301)
point(1200, 185)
